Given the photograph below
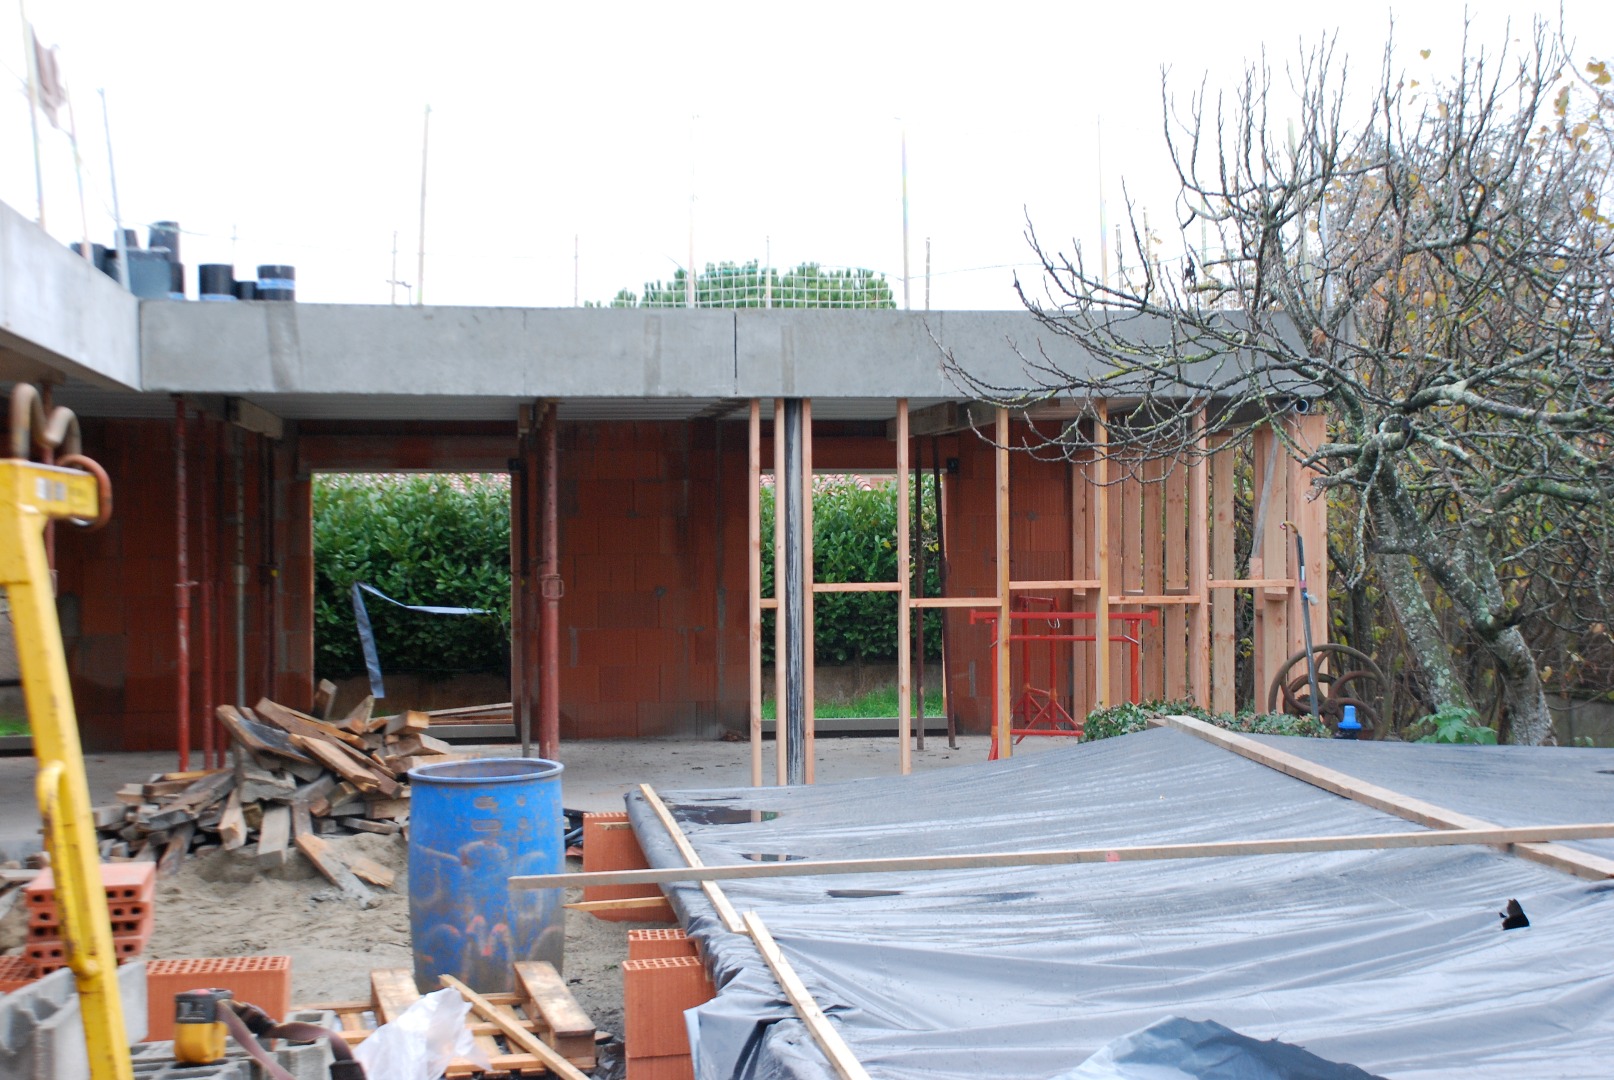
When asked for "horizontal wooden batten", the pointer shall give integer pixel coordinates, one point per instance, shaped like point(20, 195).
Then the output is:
point(1251, 583)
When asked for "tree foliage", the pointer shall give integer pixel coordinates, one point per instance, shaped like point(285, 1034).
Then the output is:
point(1433, 264)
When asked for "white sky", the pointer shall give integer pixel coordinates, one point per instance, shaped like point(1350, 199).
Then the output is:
point(295, 127)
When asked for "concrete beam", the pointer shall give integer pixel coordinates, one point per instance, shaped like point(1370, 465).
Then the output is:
point(60, 314)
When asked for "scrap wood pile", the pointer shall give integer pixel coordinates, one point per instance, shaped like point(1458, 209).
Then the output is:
point(296, 778)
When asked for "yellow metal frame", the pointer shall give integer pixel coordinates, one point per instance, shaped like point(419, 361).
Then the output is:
point(31, 495)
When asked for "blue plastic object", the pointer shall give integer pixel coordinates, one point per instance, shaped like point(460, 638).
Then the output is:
point(1349, 728)
point(473, 824)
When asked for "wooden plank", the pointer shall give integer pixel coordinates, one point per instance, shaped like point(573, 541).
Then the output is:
point(1269, 557)
point(295, 723)
point(809, 622)
point(801, 999)
point(720, 902)
point(386, 809)
point(781, 730)
point(1580, 863)
point(1223, 652)
point(367, 869)
point(619, 904)
point(394, 991)
point(382, 828)
point(360, 718)
point(232, 824)
point(518, 1035)
point(365, 779)
point(1310, 516)
point(1177, 546)
point(275, 832)
point(569, 1029)
point(333, 869)
point(1153, 539)
point(324, 699)
point(1494, 836)
point(983, 603)
point(179, 842)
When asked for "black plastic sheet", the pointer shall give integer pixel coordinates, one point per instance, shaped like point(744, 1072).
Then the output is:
point(1392, 961)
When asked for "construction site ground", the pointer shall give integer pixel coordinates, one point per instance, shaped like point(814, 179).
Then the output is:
point(221, 904)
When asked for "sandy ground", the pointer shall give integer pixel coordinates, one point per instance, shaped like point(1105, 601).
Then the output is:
point(220, 904)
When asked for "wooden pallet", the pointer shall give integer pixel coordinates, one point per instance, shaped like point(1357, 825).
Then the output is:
point(541, 1004)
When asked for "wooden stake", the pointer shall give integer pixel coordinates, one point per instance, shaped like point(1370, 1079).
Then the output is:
point(720, 902)
point(753, 509)
point(1491, 836)
point(1003, 713)
point(801, 999)
point(1222, 604)
point(904, 611)
point(1579, 863)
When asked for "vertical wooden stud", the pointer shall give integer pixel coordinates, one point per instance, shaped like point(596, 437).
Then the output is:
point(1174, 617)
point(1199, 661)
point(808, 579)
point(753, 607)
point(1005, 689)
point(781, 736)
point(1098, 498)
point(1311, 517)
point(1223, 602)
point(1152, 543)
point(904, 612)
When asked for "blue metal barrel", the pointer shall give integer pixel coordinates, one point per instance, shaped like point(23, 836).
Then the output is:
point(472, 825)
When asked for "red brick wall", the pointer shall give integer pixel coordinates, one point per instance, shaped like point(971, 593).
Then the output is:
point(117, 586)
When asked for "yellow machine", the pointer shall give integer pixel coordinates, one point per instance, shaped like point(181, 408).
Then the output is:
point(199, 1027)
point(31, 496)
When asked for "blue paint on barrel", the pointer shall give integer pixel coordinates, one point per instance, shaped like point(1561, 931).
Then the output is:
point(472, 825)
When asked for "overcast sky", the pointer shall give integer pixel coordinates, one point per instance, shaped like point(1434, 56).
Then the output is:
point(290, 132)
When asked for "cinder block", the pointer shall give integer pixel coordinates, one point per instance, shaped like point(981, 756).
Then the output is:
point(265, 981)
point(658, 944)
point(618, 849)
point(670, 1067)
point(304, 1061)
point(655, 995)
point(42, 1030)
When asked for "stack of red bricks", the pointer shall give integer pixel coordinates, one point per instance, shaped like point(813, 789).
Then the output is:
point(662, 977)
point(130, 889)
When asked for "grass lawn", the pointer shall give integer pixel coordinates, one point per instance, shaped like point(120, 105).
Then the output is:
point(13, 725)
point(876, 704)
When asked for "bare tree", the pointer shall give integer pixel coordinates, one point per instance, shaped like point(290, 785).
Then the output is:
point(1432, 265)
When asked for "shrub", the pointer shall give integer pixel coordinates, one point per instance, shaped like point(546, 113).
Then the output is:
point(436, 539)
point(1128, 717)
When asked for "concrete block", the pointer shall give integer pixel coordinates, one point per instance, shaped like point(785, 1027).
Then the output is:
point(42, 1030)
point(305, 1061)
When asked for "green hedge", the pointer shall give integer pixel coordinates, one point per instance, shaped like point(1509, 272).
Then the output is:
point(444, 540)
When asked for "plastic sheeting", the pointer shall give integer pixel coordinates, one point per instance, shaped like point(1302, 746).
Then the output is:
point(1393, 961)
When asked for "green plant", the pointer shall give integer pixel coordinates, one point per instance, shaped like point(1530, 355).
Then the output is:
point(1128, 717)
point(1455, 724)
point(433, 539)
point(876, 704)
point(14, 725)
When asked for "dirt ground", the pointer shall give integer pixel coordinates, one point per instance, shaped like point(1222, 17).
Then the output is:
point(220, 904)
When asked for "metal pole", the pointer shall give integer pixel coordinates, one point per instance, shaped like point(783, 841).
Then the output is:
point(793, 710)
point(117, 214)
point(28, 47)
point(420, 268)
point(518, 593)
point(182, 594)
point(549, 700)
point(906, 305)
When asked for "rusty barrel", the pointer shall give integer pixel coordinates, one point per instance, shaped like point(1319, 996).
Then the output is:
point(472, 825)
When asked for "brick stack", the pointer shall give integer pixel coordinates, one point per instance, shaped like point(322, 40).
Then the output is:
point(130, 890)
point(264, 981)
point(655, 994)
point(16, 972)
point(609, 844)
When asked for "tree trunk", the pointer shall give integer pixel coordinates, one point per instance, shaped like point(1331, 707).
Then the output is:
point(1523, 698)
point(1442, 685)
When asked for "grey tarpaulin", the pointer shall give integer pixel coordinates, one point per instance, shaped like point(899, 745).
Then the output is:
point(1393, 961)
point(361, 617)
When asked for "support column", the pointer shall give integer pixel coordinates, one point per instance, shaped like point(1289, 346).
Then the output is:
point(1099, 499)
point(904, 612)
point(519, 584)
point(792, 710)
point(549, 662)
point(182, 593)
point(1199, 568)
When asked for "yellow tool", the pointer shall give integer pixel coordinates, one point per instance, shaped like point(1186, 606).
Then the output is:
point(199, 1030)
point(32, 495)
